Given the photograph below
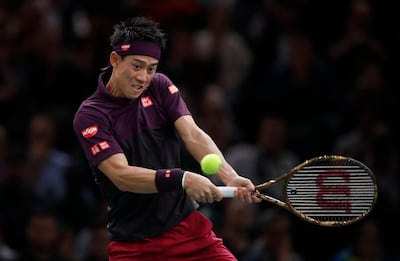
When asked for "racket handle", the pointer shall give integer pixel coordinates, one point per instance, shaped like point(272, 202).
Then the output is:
point(227, 192)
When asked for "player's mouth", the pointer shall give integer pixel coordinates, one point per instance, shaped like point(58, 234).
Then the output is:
point(138, 87)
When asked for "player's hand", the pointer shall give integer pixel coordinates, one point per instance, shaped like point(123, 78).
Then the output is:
point(246, 189)
point(201, 188)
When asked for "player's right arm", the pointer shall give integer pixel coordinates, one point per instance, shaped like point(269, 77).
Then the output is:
point(142, 180)
point(126, 177)
point(104, 152)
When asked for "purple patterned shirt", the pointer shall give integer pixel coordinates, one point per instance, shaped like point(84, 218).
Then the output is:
point(142, 129)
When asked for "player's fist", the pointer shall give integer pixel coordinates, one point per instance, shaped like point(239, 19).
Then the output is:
point(201, 188)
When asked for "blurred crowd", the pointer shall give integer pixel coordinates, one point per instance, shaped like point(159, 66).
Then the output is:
point(274, 82)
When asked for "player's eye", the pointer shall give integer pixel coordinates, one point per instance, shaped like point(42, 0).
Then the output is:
point(152, 69)
point(136, 67)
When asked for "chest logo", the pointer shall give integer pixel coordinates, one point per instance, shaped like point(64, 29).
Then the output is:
point(146, 101)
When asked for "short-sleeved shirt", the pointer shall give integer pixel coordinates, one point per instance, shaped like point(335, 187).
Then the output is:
point(142, 129)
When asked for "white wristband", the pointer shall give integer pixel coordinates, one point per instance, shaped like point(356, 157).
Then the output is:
point(183, 179)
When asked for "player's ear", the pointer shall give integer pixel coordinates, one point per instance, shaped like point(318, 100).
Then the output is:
point(114, 59)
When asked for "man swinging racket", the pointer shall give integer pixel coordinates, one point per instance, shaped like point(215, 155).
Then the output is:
point(130, 129)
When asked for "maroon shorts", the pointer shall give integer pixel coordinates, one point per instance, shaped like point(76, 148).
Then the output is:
point(192, 239)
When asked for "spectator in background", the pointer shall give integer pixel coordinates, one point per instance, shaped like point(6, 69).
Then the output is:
point(7, 253)
point(267, 158)
point(236, 227)
point(82, 196)
point(181, 65)
point(365, 246)
point(45, 56)
point(224, 53)
point(370, 139)
point(216, 117)
point(368, 88)
point(169, 12)
point(268, 28)
point(274, 242)
point(305, 82)
point(357, 42)
point(96, 247)
point(47, 166)
point(368, 135)
point(43, 239)
point(66, 247)
point(9, 78)
point(14, 201)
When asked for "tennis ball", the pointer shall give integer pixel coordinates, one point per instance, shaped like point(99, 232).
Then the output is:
point(210, 163)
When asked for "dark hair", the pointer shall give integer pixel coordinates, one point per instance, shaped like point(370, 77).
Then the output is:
point(138, 28)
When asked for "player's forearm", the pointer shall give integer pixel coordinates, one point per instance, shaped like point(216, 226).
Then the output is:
point(136, 179)
point(128, 178)
point(201, 144)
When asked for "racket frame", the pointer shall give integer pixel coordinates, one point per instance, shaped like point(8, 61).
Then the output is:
point(287, 204)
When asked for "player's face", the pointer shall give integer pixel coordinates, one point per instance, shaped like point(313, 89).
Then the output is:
point(133, 75)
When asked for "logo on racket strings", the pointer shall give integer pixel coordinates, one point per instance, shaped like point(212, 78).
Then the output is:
point(341, 193)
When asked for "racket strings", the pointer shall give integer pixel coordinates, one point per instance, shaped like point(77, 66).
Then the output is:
point(328, 192)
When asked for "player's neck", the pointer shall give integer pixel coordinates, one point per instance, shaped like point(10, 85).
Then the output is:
point(112, 88)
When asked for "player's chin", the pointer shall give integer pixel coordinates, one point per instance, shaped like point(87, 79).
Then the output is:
point(135, 94)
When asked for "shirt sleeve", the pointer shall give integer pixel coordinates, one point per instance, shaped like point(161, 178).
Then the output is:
point(171, 98)
point(95, 136)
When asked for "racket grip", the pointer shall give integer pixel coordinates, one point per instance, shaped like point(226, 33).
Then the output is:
point(227, 192)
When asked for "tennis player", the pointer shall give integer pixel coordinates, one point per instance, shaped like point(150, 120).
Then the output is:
point(131, 130)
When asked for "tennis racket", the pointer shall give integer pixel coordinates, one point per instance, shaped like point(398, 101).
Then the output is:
point(325, 190)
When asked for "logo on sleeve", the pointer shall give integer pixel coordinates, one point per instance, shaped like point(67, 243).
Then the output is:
point(90, 131)
point(95, 149)
point(104, 145)
point(146, 101)
point(173, 89)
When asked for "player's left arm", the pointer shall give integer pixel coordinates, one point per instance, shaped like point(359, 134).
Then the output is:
point(199, 143)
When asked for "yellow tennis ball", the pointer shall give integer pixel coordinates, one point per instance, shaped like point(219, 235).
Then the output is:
point(210, 163)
